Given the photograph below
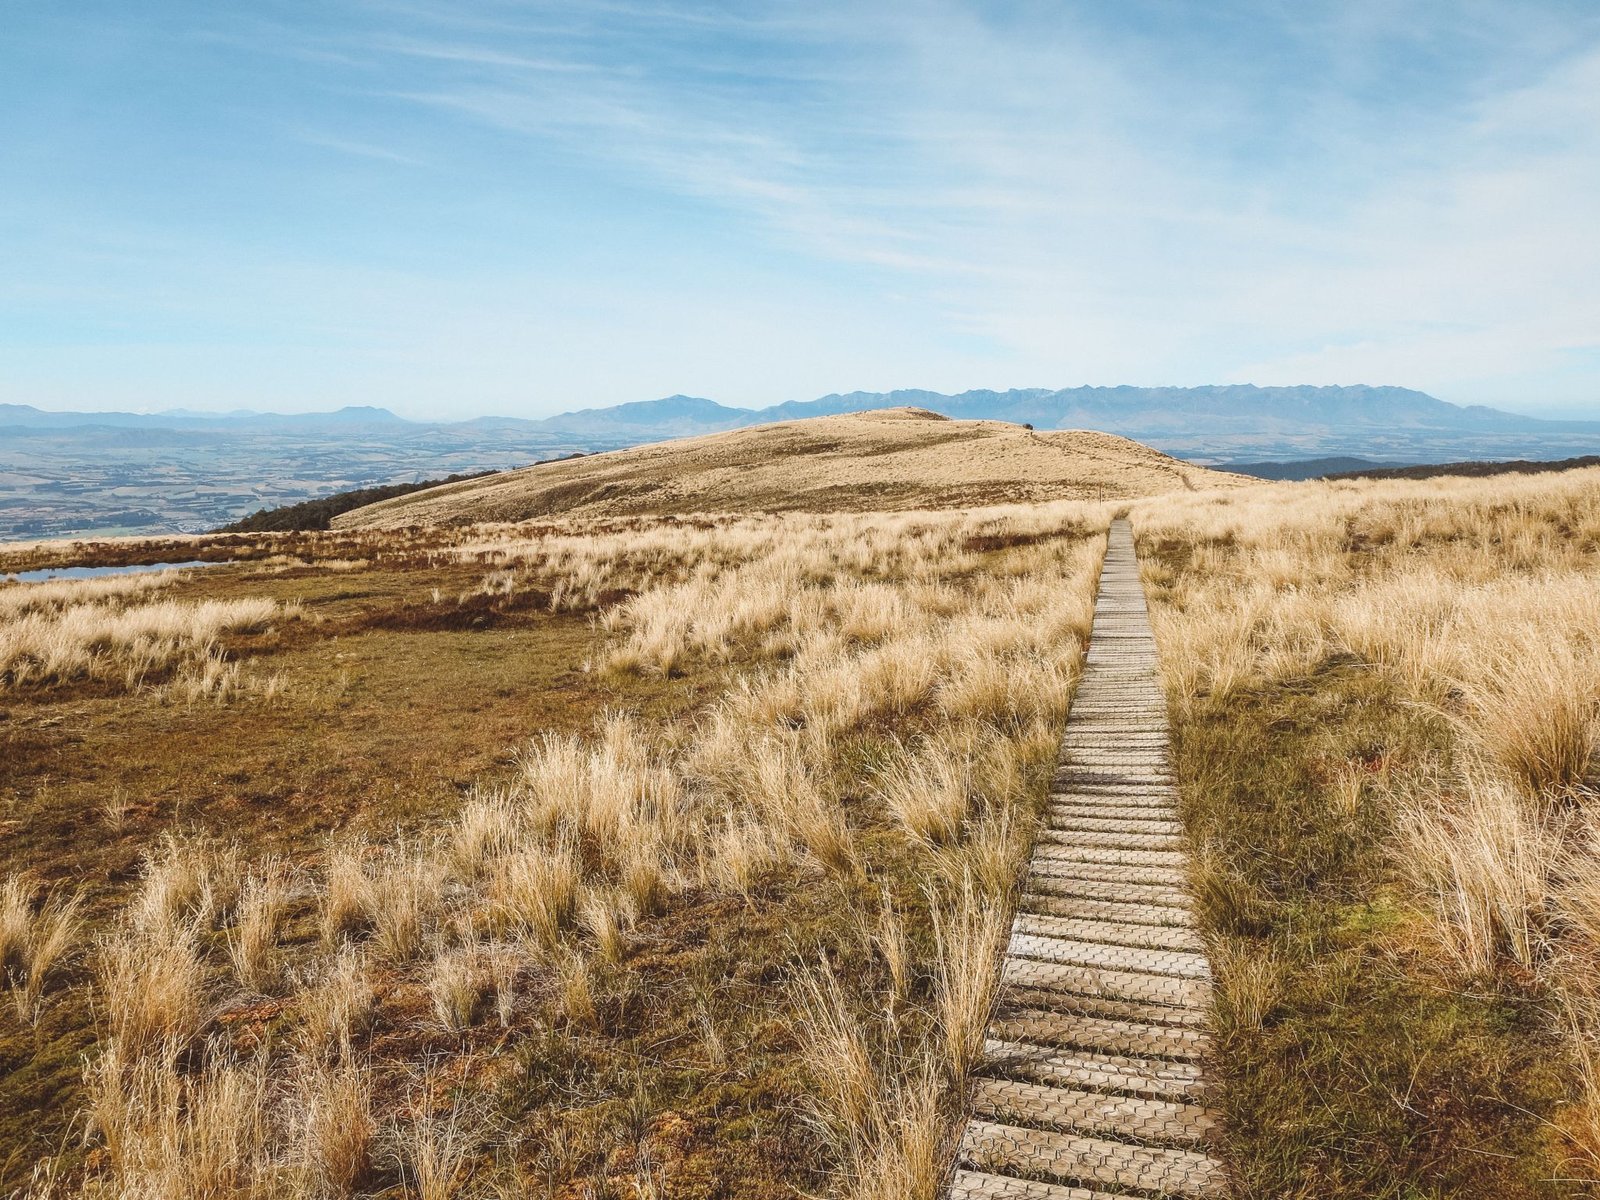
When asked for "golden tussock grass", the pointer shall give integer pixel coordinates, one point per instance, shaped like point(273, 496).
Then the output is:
point(36, 939)
point(100, 640)
point(861, 760)
point(1472, 602)
point(1482, 858)
point(347, 896)
point(57, 595)
point(533, 894)
point(884, 1113)
point(969, 934)
point(190, 1135)
point(152, 989)
point(403, 898)
point(253, 940)
point(928, 791)
point(337, 1008)
point(459, 983)
point(436, 1144)
point(335, 1128)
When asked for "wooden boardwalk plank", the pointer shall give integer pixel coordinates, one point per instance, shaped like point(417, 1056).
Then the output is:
point(1137, 912)
point(1109, 933)
point(1108, 982)
point(1047, 865)
point(1137, 1118)
point(978, 1185)
point(1104, 1035)
point(1180, 964)
point(1081, 1158)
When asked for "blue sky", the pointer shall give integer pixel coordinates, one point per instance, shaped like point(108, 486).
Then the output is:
point(463, 208)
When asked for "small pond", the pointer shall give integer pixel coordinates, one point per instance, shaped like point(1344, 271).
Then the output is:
point(91, 572)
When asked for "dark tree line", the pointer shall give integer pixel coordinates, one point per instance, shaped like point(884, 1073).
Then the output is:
point(319, 513)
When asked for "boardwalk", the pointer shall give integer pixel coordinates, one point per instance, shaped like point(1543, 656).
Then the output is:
point(1091, 1084)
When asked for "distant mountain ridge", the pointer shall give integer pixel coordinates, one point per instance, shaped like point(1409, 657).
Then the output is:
point(1219, 421)
point(182, 471)
point(25, 416)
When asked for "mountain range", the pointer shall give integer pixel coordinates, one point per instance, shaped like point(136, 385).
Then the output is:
point(110, 472)
point(1298, 422)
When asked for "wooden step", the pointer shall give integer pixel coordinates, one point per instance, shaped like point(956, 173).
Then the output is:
point(1134, 1118)
point(1105, 839)
point(1103, 1035)
point(1102, 1008)
point(1119, 888)
point(1108, 982)
point(1180, 964)
point(979, 1185)
point(1082, 1159)
point(1173, 915)
point(1109, 933)
point(1169, 1078)
point(1055, 868)
point(1089, 821)
point(1068, 852)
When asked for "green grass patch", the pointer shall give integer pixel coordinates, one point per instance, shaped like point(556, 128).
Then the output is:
point(1345, 1063)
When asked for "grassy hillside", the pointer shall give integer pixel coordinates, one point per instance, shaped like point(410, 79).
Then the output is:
point(643, 856)
point(556, 860)
point(893, 459)
point(1386, 702)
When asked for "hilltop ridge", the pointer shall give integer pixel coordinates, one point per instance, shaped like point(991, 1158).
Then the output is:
point(898, 458)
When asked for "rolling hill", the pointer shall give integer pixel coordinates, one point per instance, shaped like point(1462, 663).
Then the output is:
point(887, 459)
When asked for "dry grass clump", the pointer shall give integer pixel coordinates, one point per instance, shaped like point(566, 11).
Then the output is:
point(152, 989)
point(928, 791)
point(745, 851)
point(1250, 982)
point(887, 1099)
point(335, 1128)
point(436, 1145)
point(191, 1135)
point(347, 893)
point(969, 935)
point(187, 880)
point(1483, 860)
point(533, 894)
point(338, 1008)
point(606, 917)
point(101, 640)
point(1533, 708)
point(16, 924)
point(35, 940)
point(403, 899)
point(252, 943)
point(458, 984)
point(883, 1110)
point(395, 896)
point(56, 595)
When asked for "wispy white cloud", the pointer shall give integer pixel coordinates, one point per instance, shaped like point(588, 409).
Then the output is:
point(980, 194)
point(358, 149)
